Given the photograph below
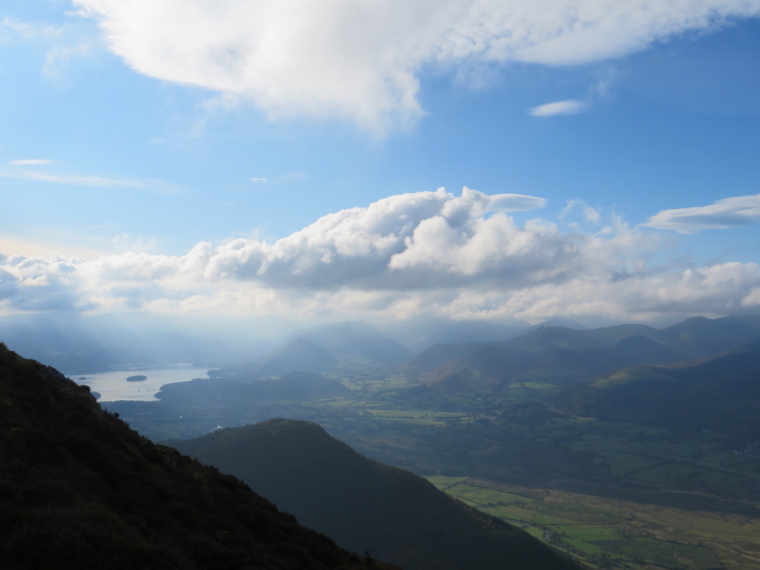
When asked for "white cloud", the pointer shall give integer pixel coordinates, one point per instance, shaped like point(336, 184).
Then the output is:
point(727, 213)
point(30, 30)
point(284, 179)
point(41, 284)
point(590, 214)
point(31, 162)
point(420, 254)
point(568, 107)
point(59, 56)
point(752, 299)
point(61, 43)
point(94, 181)
point(362, 60)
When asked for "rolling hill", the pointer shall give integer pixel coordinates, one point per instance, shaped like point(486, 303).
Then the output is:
point(365, 505)
point(494, 368)
point(720, 394)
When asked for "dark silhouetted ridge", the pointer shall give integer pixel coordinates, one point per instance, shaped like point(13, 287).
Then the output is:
point(80, 489)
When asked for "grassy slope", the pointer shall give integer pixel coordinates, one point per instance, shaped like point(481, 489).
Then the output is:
point(364, 504)
point(79, 489)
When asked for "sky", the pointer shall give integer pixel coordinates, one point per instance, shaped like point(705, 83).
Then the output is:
point(333, 159)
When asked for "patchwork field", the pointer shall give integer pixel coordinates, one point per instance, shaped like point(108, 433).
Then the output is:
point(613, 494)
point(611, 533)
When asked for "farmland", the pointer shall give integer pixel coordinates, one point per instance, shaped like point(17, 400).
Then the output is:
point(613, 494)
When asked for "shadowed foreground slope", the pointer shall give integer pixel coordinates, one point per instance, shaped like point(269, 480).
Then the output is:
point(400, 517)
point(79, 489)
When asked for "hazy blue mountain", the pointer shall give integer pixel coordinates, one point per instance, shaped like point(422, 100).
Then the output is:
point(599, 351)
point(698, 336)
point(76, 344)
point(494, 367)
point(363, 504)
point(468, 331)
point(704, 337)
point(562, 322)
point(541, 338)
point(58, 341)
point(299, 354)
point(356, 340)
point(545, 337)
point(79, 489)
point(320, 349)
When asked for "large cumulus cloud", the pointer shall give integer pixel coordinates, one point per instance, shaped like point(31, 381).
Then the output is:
point(404, 241)
point(41, 284)
point(361, 59)
point(426, 253)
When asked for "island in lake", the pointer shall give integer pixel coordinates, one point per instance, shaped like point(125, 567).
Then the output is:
point(138, 378)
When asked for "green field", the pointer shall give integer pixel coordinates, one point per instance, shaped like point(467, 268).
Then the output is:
point(614, 495)
point(611, 533)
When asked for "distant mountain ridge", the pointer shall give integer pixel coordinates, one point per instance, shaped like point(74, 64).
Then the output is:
point(468, 330)
point(564, 355)
point(322, 349)
point(79, 489)
point(297, 355)
point(720, 393)
point(399, 517)
point(356, 340)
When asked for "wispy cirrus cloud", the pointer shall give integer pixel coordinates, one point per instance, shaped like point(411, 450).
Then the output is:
point(285, 178)
point(727, 213)
point(294, 57)
point(567, 107)
point(29, 30)
point(61, 43)
point(87, 180)
point(31, 162)
point(590, 214)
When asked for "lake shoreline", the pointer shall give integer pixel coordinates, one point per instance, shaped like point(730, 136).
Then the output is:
point(115, 384)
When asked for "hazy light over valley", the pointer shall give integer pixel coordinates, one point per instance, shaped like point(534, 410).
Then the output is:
point(304, 163)
point(461, 284)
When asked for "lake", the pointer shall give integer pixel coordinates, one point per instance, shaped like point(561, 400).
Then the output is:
point(113, 385)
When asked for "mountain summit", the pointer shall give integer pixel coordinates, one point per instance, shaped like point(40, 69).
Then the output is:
point(365, 505)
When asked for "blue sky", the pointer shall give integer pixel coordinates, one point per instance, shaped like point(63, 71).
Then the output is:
point(284, 158)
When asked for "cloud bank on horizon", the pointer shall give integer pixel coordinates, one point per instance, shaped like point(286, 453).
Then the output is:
point(362, 61)
point(409, 255)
